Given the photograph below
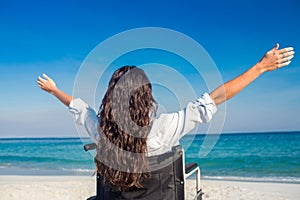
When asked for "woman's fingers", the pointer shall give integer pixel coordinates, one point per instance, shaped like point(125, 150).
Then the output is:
point(42, 80)
point(286, 54)
point(285, 59)
point(284, 50)
point(46, 83)
point(40, 83)
point(277, 58)
point(284, 64)
point(49, 80)
point(46, 77)
point(276, 47)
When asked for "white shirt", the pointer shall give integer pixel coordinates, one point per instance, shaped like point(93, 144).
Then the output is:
point(166, 130)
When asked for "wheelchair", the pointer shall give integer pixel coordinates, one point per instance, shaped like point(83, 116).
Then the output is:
point(167, 181)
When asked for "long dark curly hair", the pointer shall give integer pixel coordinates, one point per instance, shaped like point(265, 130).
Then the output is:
point(124, 123)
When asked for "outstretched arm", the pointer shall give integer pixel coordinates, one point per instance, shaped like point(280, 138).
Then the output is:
point(48, 85)
point(272, 60)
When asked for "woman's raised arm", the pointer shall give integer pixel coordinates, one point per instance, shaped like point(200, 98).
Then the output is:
point(48, 85)
point(272, 60)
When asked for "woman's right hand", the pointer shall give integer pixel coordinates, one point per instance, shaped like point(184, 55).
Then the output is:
point(47, 84)
point(276, 58)
point(272, 60)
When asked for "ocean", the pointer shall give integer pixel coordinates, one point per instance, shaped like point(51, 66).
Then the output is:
point(268, 157)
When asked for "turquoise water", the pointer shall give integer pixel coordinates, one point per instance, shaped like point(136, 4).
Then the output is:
point(48, 156)
point(271, 157)
point(258, 156)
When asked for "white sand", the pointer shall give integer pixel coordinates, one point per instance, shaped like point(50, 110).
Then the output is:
point(234, 190)
point(81, 187)
point(46, 187)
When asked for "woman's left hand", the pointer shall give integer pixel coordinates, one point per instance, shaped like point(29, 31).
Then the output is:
point(47, 84)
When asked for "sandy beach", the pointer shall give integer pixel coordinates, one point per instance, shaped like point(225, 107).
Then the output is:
point(81, 187)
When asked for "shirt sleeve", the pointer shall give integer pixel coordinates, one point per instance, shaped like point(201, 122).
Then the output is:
point(85, 116)
point(169, 128)
point(197, 112)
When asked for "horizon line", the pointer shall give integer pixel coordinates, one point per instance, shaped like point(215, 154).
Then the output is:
point(223, 133)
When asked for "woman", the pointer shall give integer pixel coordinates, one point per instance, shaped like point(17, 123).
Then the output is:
point(126, 119)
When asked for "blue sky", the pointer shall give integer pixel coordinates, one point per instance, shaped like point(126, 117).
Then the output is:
point(54, 37)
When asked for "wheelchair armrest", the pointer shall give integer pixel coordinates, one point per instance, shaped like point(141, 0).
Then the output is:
point(190, 167)
point(88, 147)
